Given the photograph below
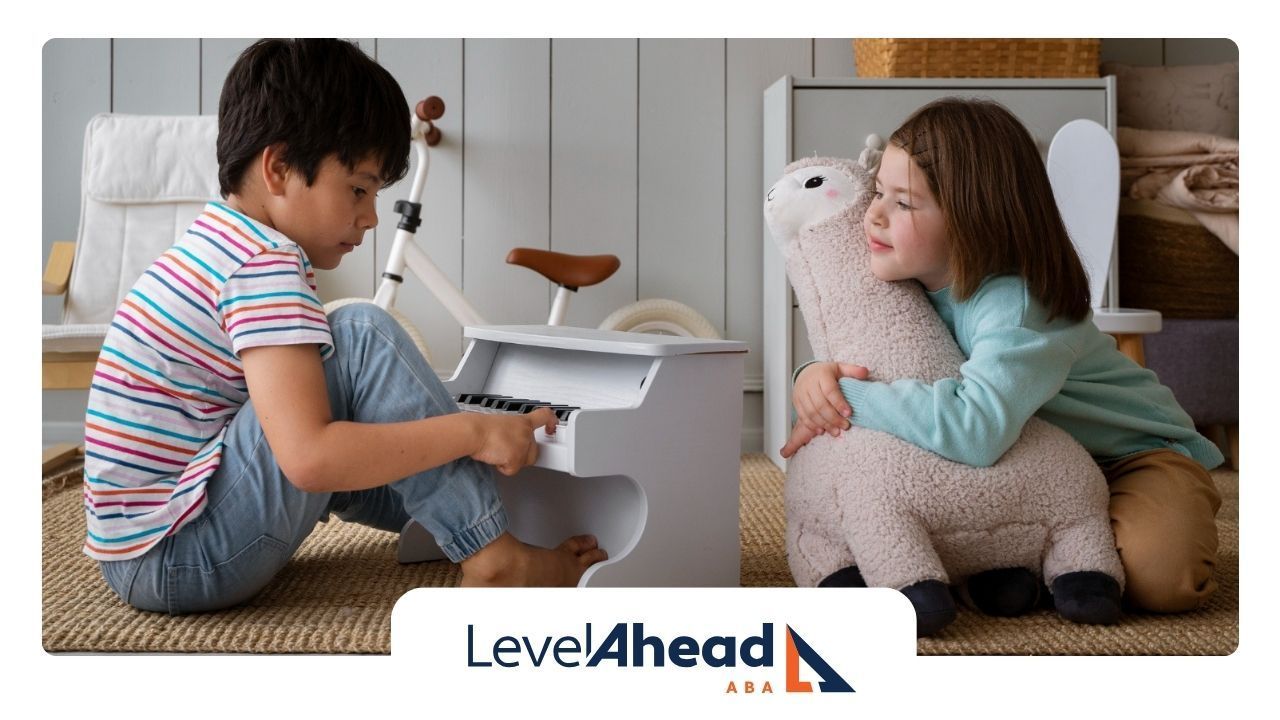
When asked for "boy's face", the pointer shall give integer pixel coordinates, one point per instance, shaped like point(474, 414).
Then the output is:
point(329, 218)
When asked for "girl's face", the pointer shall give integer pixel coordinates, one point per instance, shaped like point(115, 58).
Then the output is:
point(904, 228)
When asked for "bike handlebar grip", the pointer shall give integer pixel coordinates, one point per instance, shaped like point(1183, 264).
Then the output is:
point(431, 108)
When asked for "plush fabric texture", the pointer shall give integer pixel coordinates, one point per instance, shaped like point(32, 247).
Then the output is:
point(900, 513)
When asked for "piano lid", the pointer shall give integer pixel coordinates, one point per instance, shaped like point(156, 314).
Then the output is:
point(608, 341)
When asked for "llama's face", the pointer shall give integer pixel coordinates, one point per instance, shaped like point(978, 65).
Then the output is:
point(804, 197)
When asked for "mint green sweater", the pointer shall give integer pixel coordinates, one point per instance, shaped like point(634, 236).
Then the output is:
point(1019, 365)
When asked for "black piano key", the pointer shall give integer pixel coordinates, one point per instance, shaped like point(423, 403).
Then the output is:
point(506, 403)
point(473, 398)
point(529, 406)
point(553, 407)
point(510, 404)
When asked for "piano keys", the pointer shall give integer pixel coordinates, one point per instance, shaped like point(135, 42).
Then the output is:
point(482, 402)
point(645, 456)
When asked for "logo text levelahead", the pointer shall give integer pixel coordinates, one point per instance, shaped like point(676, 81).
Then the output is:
point(625, 645)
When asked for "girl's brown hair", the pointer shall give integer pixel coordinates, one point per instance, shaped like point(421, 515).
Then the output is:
point(997, 205)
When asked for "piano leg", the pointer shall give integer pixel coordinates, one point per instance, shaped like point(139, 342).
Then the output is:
point(547, 506)
point(685, 459)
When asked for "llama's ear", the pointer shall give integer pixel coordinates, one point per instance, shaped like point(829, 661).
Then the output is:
point(871, 154)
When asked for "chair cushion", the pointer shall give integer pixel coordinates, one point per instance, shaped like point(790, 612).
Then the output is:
point(72, 338)
point(145, 179)
point(151, 158)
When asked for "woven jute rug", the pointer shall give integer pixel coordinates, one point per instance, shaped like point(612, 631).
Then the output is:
point(336, 594)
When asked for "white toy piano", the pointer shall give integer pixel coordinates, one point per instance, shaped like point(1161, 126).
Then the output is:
point(645, 456)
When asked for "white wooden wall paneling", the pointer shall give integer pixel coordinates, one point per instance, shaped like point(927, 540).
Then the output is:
point(594, 91)
point(833, 57)
point(681, 193)
point(506, 194)
point(76, 86)
point(423, 68)
point(752, 65)
point(217, 55)
point(156, 76)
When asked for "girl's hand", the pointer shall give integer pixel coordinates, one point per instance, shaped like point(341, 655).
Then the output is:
point(506, 441)
point(820, 405)
point(800, 436)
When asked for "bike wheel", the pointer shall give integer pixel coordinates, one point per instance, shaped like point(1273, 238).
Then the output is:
point(660, 316)
point(400, 318)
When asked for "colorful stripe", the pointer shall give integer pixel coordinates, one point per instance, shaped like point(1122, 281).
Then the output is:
point(169, 378)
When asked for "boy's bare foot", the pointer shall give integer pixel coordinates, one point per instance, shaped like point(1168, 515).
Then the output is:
point(507, 562)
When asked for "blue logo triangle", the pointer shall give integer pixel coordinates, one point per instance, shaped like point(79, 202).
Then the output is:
point(831, 680)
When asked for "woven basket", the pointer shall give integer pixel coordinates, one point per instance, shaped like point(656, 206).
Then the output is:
point(994, 57)
point(1180, 269)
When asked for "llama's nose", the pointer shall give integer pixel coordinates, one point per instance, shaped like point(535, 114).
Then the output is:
point(769, 197)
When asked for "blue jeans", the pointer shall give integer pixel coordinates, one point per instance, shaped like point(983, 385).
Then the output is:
point(254, 518)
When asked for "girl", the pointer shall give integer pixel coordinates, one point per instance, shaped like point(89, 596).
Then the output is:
point(963, 205)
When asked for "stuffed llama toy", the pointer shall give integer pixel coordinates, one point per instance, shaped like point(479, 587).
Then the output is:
point(903, 517)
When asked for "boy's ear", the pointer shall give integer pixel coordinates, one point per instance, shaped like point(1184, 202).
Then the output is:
point(275, 172)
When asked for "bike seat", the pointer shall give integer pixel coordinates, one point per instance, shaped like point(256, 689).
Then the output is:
point(572, 271)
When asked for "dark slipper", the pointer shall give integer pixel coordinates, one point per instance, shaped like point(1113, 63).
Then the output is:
point(1003, 592)
point(844, 577)
point(1088, 597)
point(935, 609)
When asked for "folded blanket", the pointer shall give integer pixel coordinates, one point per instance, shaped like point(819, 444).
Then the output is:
point(1197, 172)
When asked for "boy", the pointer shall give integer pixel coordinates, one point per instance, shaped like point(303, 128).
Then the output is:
point(228, 415)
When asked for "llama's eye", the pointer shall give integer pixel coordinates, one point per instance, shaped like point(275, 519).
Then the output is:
point(813, 182)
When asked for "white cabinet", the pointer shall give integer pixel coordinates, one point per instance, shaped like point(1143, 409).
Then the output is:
point(832, 117)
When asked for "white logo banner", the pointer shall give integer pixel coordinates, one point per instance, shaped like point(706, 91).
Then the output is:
point(715, 649)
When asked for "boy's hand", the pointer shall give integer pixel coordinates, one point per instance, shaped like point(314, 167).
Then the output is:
point(506, 441)
point(800, 436)
point(819, 403)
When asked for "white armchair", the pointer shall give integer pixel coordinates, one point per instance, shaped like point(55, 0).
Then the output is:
point(144, 180)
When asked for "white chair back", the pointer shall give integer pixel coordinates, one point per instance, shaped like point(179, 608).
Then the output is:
point(1084, 170)
point(145, 179)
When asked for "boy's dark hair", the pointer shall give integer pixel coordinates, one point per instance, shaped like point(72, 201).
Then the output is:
point(997, 204)
point(318, 98)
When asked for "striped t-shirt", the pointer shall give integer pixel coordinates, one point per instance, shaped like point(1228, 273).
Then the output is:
point(169, 378)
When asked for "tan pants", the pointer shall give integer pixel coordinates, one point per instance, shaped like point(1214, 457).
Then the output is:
point(1162, 509)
